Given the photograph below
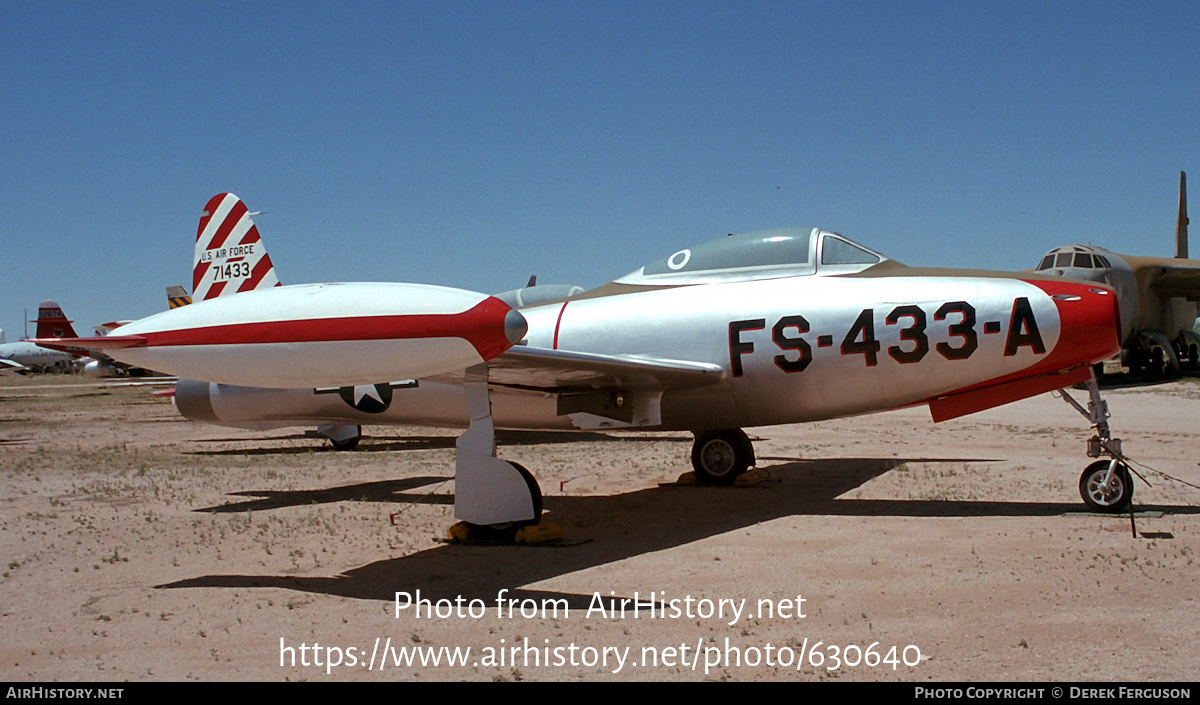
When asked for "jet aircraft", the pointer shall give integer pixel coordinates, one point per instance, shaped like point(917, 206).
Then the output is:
point(53, 323)
point(770, 327)
point(1158, 296)
point(339, 413)
point(26, 355)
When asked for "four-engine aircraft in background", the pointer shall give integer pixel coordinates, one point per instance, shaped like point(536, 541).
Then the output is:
point(1159, 296)
point(770, 327)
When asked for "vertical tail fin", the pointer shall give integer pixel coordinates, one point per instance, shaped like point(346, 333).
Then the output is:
point(177, 296)
point(230, 256)
point(1181, 221)
point(52, 322)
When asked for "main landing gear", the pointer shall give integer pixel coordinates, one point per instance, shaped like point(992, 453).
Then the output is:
point(718, 457)
point(343, 437)
point(1107, 484)
point(496, 500)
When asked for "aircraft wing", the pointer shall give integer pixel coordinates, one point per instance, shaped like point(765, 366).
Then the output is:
point(1182, 280)
point(9, 367)
point(558, 370)
point(596, 391)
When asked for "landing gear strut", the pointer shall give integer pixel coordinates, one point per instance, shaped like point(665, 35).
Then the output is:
point(1106, 485)
point(494, 498)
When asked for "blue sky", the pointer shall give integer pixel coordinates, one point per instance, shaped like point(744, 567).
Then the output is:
point(472, 144)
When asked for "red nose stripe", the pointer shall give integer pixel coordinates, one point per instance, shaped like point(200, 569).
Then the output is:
point(1088, 334)
point(1090, 325)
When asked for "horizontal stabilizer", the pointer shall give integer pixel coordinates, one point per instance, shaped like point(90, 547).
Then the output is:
point(104, 342)
point(9, 367)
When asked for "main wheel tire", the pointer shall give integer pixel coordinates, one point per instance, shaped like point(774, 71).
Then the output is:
point(718, 457)
point(1157, 362)
point(1112, 497)
point(348, 443)
point(535, 493)
point(505, 532)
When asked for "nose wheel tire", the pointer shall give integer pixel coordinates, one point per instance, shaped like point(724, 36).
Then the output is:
point(718, 457)
point(1105, 492)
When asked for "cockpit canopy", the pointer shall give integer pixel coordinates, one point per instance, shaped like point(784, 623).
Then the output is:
point(758, 255)
point(1073, 256)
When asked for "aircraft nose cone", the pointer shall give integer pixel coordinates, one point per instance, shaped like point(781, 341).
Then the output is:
point(1090, 322)
point(515, 326)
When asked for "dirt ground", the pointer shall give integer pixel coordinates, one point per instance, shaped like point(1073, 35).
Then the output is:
point(141, 546)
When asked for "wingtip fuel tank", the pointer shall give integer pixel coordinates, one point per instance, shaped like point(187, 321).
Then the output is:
point(325, 334)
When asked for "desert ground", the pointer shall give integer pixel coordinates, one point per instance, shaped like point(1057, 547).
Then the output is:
point(141, 546)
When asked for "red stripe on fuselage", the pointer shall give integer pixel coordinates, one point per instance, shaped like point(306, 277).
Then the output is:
point(558, 322)
point(482, 326)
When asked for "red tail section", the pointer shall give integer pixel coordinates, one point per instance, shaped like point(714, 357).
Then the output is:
point(52, 322)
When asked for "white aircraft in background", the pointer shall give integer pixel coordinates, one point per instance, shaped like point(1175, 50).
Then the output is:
point(25, 355)
point(9, 367)
point(772, 327)
point(1158, 296)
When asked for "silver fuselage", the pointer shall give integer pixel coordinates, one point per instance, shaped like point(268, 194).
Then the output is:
point(793, 348)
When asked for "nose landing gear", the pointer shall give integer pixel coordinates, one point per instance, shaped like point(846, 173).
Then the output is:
point(1105, 485)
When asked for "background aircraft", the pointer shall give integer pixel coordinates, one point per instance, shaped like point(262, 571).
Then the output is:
point(25, 355)
point(763, 328)
point(177, 296)
point(53, 323)
point(1158, 296)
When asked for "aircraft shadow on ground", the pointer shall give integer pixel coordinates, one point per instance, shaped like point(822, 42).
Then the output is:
point(411, 443)
point(383, 491)
point(619, 527)
point(321, 446)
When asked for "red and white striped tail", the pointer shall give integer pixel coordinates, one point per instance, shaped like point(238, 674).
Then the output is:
point(230, 256)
